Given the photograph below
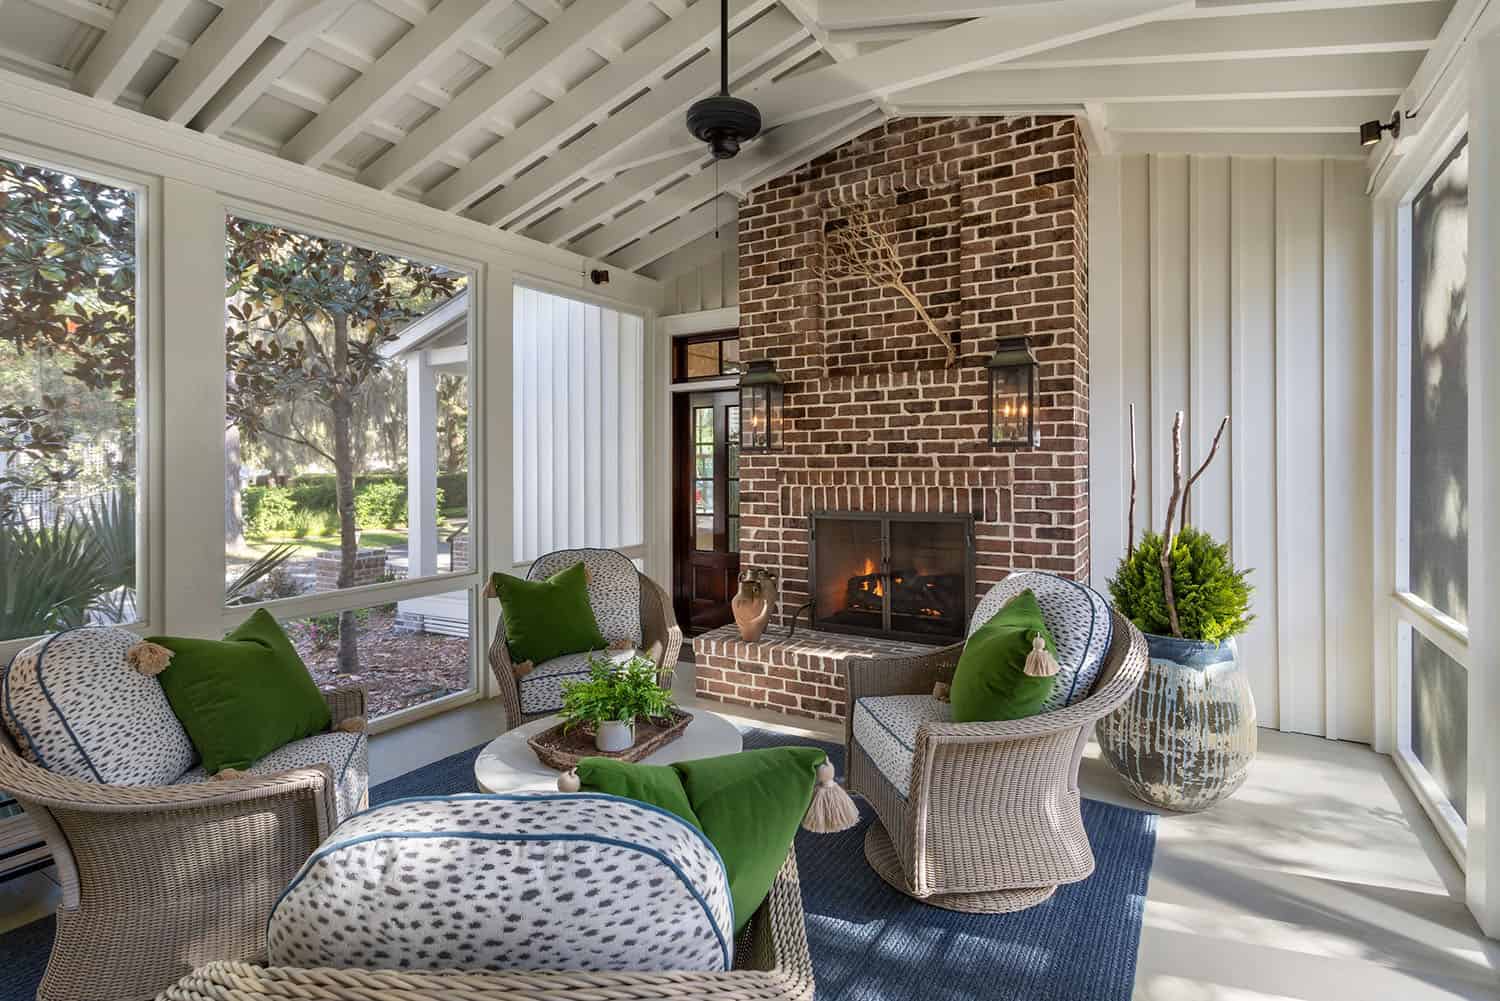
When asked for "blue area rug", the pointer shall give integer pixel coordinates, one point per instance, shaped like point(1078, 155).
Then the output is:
point(868, 942)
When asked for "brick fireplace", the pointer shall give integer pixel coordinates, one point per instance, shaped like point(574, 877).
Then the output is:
point(989, 217)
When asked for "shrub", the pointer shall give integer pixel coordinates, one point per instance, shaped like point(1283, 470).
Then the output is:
point(1213, 598)
point(271, 513)
point(380, 505)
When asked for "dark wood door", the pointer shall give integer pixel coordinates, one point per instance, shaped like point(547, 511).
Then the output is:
point(706, 537)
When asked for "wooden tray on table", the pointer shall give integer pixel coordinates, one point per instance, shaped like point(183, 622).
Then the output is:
point(561, 750)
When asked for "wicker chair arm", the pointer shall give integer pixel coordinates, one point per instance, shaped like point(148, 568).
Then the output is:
point(346, 702)
point(660, 634)
point(506, 688)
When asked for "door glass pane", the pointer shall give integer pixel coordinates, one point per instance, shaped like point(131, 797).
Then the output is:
point(1439, 716)
point(1438, 529)
point(68, 439)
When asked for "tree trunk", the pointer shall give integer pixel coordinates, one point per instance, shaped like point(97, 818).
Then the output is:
point(343, 455)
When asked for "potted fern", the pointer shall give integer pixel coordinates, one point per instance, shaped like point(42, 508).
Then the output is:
point(613, 698)
point(1185, 740)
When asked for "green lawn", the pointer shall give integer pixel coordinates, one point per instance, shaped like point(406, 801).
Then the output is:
point(370, 538)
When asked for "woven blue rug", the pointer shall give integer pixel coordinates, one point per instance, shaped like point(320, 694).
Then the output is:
point(868, 942)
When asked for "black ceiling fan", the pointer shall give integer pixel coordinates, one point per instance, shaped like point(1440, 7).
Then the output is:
point(722, 121)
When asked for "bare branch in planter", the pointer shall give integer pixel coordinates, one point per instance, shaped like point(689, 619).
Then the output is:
point(863, 249)
point(1130, 520)
point(1212, 451)
point(1167, 537)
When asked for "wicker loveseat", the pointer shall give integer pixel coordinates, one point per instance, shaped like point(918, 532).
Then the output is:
point(157, 880)
point(771, 964)
point(629, 606)
point(989, 819)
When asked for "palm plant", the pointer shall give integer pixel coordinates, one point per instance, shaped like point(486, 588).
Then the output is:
point(52, 574)
point(237, 591)
point(109, 525)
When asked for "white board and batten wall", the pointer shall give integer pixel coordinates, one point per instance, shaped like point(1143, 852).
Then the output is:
point(1242, 286)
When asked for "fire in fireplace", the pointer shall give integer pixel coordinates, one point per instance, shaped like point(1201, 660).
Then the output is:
point(906, 576)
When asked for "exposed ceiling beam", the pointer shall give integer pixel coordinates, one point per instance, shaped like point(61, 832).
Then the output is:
point(842, 15)
point(1318, 115)
point(561, 38)
point(691, 256)
point(266, 65)
point(999, 91)
point(1339, 145)
point(225, 44)
point(615, 194)
point(646, 62)
point(721, 214)
point(941, 55)
point(777, 151)
point(126, 46)
point(1408, 28)
point(429, 42)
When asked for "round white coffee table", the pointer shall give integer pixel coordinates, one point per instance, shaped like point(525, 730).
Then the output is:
point(507, 764)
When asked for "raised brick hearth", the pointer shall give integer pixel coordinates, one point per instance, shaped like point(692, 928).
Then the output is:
point(989, 216)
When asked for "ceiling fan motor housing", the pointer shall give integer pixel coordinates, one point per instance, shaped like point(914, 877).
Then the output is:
point(724, 123)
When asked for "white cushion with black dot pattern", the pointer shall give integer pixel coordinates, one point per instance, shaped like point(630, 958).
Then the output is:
point(614, 588)
point(541, 688)
point(885, 726)
point(347, 754)
point(77, 707)
point(1078, 618)
point(546, 881)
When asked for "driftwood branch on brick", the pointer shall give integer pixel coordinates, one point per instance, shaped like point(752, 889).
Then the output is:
point(862, 248)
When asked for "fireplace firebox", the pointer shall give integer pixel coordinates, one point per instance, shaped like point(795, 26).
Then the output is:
point(905, 576)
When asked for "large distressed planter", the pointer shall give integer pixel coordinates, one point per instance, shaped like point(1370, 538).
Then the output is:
point(1185, 740)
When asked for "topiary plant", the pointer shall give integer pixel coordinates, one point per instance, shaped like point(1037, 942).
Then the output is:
point(1212, 596)
point(1186, 587)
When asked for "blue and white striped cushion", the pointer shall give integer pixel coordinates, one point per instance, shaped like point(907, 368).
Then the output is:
point(546, 881)
point(1078, 619)
point(886, 727)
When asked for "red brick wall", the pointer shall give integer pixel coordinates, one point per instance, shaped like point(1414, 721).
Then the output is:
point(991, 215)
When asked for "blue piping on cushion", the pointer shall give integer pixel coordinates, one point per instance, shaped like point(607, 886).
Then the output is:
point(42, 684)
point(1088, 594)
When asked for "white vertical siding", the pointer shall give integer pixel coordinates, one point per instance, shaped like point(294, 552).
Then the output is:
point(578, 391)
point(713, 282)
point(1241, 286)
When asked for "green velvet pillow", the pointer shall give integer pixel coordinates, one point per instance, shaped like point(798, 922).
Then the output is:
point(749, 805)
point(244, 696)
point(548, 618)
point(990, 682)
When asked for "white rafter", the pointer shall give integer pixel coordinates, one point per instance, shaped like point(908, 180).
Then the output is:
point(764, 41)
point(429, 42)
point(617, 193)
point(123, 50)
point(571, 31)
point(1272, 117)
point(721, 213)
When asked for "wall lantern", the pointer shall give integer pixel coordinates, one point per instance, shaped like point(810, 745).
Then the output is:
point(761, 408)
point(1014, 374)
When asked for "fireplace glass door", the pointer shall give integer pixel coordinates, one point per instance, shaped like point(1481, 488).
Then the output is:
point(903, 576)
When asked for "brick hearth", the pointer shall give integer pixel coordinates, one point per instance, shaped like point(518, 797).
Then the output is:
point(990, 217)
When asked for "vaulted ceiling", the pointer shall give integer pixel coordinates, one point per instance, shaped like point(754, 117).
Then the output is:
point(563, 120)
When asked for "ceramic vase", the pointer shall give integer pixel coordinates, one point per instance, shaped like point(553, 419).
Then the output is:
point(754, 603)
point(614, 736)
point(1185, 739)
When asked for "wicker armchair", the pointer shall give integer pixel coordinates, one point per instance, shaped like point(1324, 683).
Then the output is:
point(612, 575)
point(771, 964)
point(157, 880)
point(991, 822)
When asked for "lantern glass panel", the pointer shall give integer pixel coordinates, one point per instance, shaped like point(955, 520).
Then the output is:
point(1010, 405)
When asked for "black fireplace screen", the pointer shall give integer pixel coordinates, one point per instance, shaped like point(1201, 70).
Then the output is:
point(906, 576)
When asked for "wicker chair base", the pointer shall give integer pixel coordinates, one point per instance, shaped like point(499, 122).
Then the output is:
point(880, 852)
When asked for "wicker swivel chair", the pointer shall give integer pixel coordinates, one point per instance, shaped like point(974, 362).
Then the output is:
point(771, 963)
point(987, 820)
point(157, 880)
point(631, 609)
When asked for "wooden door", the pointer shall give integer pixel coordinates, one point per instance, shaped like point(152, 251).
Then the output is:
point(706, 536)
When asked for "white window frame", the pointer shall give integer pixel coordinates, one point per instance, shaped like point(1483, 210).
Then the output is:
point(470, 580)
point(1407, 611)
point(148, 343)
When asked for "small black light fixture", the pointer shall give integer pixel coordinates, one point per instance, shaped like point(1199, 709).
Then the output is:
point(1014, 375)
point(722, 121)
point(599, 276)
point(762, 395)
point(1370, 132)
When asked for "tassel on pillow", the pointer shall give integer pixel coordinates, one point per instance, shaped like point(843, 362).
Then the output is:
point(228, 773)
point(621, 645)
point(489, 588)
point(832, 808)
point(149, 659)
point(1040, 663)
point(942, 691)
point(521, 670)
point(569, 781)
point(354, 724)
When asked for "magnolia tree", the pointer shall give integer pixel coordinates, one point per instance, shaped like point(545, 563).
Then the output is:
point(307, 319)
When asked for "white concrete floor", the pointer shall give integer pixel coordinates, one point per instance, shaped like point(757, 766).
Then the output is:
point(1321, 880)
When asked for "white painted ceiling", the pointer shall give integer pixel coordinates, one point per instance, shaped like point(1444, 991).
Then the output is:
point(562, 119)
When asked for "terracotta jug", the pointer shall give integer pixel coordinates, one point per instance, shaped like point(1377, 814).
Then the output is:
point(754, 603)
